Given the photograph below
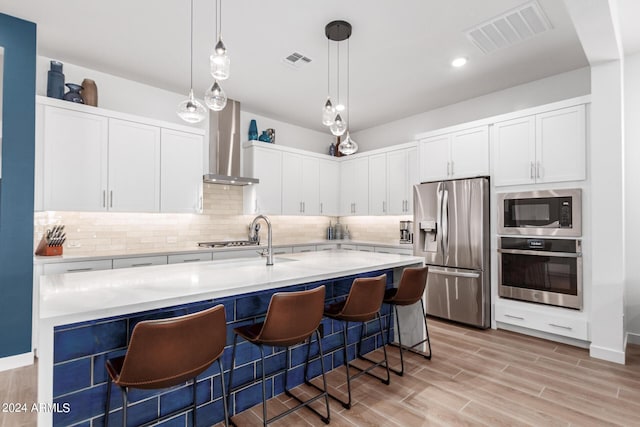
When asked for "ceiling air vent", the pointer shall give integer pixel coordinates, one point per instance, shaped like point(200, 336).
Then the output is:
point(507, 29)
point(296, 60)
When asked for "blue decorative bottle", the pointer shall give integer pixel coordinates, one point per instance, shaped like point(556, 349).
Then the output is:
point(55, 81)
point(264, 137)
point(332, 149)
point(253, 130)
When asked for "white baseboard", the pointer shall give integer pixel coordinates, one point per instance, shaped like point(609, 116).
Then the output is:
point(608, 354)
point(17, 361)
point(632, 338)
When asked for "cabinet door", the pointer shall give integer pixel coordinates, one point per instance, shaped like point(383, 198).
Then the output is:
point(434, 158)
point(561, 145)
point(134, 167)
point(267, 168)
point(398, 182)
point(310, 186)
point(360, 186)
point(378, 204)
point(292, 187)
point(347, 186)
point(181, 170)
point(514, 151)
point(75, 160)
point(329, 187)
point(470, 153)
point(412, 176)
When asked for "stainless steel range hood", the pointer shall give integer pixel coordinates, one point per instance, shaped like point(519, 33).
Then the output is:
point(224, 147)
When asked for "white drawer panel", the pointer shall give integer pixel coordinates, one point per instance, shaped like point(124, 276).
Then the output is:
point(539, 320)
point(78, 266)
point(244, 253)
point(365, 248)
point(282, 251)
point(327, 247)
point(309, 248)
point(399, 251)
point(348, 247)
point(144, 261)
point(193, 257)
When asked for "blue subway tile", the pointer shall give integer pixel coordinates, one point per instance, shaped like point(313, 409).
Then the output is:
point(99, 367)
point(368, 345)
point(71, 376)
point(331, 342)
point(155, 315)
point(278, 384)
point(209, 414)
point(182, 398)
point(252, 306)
point(241, 376)
point(272, 364)
point(83, 405)
point(178, 421)
point(88, 340)
point(250, 396)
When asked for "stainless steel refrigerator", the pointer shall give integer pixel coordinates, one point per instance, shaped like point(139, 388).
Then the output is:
point(451, 231)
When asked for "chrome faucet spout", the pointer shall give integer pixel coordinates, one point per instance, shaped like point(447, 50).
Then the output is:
point(255, 227)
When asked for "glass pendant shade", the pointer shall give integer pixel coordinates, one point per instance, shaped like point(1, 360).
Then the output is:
point(191, 110)
point(339, 126)
point(348, 145)
point(220, 62)
point(215, 98)
point(328, 113)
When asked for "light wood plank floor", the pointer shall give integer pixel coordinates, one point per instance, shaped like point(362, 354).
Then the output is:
point(493, 378)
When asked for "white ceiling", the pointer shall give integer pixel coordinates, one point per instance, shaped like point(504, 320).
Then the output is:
point(400, 51)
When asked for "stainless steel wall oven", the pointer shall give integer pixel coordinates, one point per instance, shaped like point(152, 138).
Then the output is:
point(547, 271)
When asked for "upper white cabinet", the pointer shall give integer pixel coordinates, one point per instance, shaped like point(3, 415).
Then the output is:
point(460, 154)
point(391, 176)
point(134, 167)
point(354, 186)
point(300, 185)
point(75, 160)
point(264, 163)
point(546, 147)
point(181, 171)
point(378, 191)
point(108, 161)
point(329, 187)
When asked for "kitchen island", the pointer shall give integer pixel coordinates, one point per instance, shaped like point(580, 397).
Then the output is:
point(86, 318)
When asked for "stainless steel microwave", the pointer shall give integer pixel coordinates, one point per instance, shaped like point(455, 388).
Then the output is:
point(541, 213)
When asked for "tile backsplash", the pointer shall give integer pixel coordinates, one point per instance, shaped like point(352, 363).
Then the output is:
point(92, 233)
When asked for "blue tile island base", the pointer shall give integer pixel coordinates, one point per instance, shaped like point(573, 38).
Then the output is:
point(81, 349)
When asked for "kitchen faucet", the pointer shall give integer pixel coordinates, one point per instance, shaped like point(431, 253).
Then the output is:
point(254, 228)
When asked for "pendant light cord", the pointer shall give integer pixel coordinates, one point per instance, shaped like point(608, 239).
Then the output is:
point(328, 68)
point(338, 75)
point(348, 85)
point(191, 59)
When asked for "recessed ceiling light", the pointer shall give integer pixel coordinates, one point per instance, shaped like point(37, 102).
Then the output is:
point(340, 107)
point(459, 62)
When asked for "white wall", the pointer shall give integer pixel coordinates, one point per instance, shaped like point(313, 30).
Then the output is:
point(632, 196)
point(555, 88)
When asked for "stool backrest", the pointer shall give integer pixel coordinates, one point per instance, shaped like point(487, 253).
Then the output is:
point(163, 353)
point(411, 286)
point(292, 317)
point(364, 299)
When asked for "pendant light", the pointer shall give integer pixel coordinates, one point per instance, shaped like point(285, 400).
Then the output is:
point(336, 31)
point(215, 97)
point(348, 145)
point(191, 110)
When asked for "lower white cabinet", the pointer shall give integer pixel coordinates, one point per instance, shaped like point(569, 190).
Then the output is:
point(192, 257)
point(78, 266)
point(300, 249)
point(145, 261)
point(551, 320)
point(398, 251)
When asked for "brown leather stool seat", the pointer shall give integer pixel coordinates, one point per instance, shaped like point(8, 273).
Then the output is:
point(409, 291)
point(292, 318)
point(362, 305)
point(168, 352)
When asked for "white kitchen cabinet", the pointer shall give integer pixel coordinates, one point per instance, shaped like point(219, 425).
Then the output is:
point(181, 171)
point(402, 175)
point(190, 257)
point(75, 160)
point(378, 185)
point(398, 251)
point(144, 261)
point(77, 266)
point(554, 320)
point(266, 165)
point(300, 185)
point(306, 248)
point(134, 167)
point(329, 187)
point(454, 155)
point(546, 147)
point(354, 186)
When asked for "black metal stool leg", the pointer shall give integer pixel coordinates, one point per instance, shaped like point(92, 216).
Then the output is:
point(233, 363)
point(124, 406)
point(264, 388)
point(195, 402)
point(411, 348)
point(324, 379)
point(108, 404)
point(374, 363)
point(224, 394)
point(384, 351)
point(426, 329)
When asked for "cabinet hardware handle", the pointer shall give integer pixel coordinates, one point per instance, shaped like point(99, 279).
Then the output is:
point(75, 270)
point(531, 171)
point(448, 167)
point(256, 208)
point(201, 205)
point(191, 260)
point(142, 264)
point(452, 172)
point(306, 250)
point(514, 317)
point(111, 198)
point(537, 169)
point(321, 210)
point(304, 207)
point(384, 207)
point(104, 198)
point(568, 328)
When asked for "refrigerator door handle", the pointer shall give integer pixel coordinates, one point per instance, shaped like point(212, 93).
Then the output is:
point(445, 222)
point(473, 275)
point(439, 220)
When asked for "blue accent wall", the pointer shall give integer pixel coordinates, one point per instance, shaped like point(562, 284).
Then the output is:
point(18, 38)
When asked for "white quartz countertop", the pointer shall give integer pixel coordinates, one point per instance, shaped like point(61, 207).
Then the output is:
point(39, 260)
point(76, 297)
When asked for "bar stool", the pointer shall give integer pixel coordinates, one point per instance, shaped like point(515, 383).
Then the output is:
point(409, 291)
point(362, 305)
point(292, 317)
point(168, 352)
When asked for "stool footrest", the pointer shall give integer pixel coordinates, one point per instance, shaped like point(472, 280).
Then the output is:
point(412, 348)
point(368, 370)
point(304, 403)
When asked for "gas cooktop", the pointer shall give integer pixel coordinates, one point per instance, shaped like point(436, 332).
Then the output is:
point(227, 244)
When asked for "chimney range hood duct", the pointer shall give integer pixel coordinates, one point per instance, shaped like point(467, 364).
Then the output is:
point(224, 147)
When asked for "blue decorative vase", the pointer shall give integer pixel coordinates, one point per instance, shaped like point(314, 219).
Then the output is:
point(332, 149)
point(74, 93)
point(264, 137)
point(253, 130)
point(55, 81)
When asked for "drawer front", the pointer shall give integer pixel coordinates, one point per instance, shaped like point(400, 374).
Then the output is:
point(144, 261)
point(348, 247)
point(78, 266)
point(555, 324)
point(196, 257)
point(299, 249)
point(282, 251)
point(399, 251)
point(326, 247)
point(244, 253)
point(365, 248)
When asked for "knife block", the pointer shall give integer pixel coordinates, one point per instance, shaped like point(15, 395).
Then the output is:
point(44, 249)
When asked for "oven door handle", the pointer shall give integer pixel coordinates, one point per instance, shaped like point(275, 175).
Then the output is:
point(541, 253)
point(433, 270)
